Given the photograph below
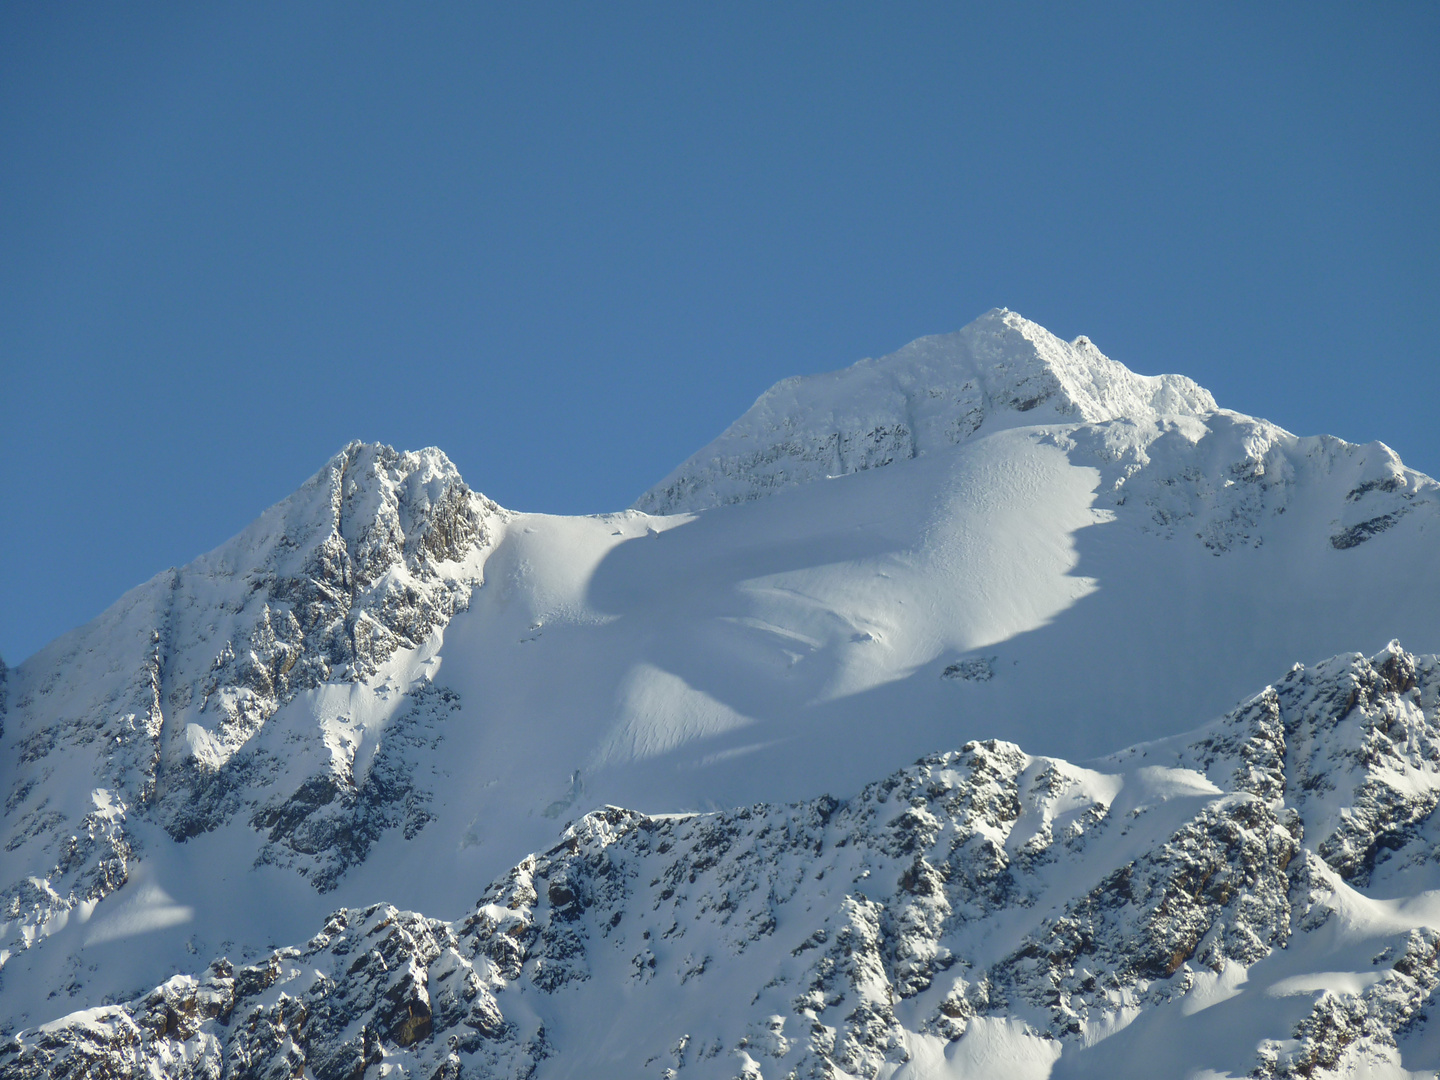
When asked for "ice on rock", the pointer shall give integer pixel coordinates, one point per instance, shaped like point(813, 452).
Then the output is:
point(1160, 442)
point(162, 701)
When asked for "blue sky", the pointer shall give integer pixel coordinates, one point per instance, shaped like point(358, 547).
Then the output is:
point(569, 243)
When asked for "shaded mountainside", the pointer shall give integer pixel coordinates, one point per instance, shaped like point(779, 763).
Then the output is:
point(1209, 901)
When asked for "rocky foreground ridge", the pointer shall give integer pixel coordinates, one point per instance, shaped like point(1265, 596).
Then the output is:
point(980, 894)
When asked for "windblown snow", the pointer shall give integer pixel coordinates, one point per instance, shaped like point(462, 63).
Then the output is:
point(389, 692)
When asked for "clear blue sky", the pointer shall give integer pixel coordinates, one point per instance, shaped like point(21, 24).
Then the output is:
point(569, 243)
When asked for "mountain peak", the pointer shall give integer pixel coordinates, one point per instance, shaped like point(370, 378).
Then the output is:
point(934, 392)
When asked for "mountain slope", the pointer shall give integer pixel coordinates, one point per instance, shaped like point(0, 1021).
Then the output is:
point(1197, 903)
point(391, 689)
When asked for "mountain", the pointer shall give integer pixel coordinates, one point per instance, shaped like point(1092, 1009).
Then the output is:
point(389, 689)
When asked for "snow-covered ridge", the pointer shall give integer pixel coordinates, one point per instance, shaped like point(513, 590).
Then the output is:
point(1206, 903)
point(142, 711)
point(1160, 444)
point(935, 392)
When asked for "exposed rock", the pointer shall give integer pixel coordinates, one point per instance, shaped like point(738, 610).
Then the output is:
point(971, 669)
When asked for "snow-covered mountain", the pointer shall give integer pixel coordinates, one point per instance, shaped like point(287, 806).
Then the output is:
point(933, 394)
point(389, 689)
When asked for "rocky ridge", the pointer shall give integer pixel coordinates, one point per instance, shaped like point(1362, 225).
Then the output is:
point(269, 713)
point(1221, 479)
point(163, 702)
point(979, 890)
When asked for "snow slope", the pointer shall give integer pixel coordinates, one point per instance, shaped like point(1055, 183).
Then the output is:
point(389, 689)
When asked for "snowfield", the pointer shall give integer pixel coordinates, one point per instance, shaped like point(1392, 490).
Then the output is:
point(390, 691)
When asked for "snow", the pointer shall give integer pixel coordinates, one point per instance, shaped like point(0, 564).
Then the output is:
point(814, 915)
point(142, 908)
point(991, 1048)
